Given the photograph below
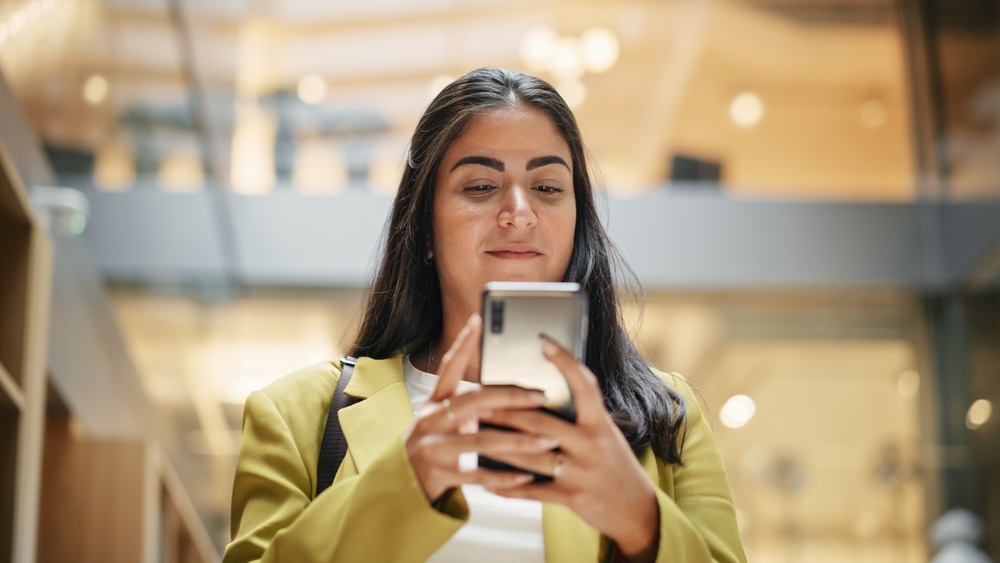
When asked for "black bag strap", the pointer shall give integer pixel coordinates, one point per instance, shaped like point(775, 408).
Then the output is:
point(334, 446)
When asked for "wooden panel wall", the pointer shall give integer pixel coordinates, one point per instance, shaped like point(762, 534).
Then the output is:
point(91, 499)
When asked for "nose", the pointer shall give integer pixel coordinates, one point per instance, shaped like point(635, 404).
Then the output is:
point(515, 209)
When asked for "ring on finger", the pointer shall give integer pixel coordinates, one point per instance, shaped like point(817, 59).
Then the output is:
point(446, 404)
point(559, 465)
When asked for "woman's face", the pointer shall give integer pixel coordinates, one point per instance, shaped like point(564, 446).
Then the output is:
point(504, 207)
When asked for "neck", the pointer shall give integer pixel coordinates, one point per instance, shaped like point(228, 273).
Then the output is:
point(455, 316)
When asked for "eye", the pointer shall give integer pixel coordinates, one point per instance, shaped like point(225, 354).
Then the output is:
point(479, 189)
point(549, 189)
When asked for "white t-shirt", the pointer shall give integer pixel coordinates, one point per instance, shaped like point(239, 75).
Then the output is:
point(499, 529)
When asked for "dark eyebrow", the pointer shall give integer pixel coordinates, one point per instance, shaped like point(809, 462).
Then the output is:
point(545, 161)
point(481, 160)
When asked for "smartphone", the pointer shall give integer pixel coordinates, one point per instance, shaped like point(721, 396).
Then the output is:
point(516, 315)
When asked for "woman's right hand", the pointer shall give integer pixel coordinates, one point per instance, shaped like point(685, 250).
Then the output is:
point(439, 432)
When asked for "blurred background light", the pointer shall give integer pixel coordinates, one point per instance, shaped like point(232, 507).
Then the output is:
point(312, 89)
point(252, 170)
point(746, 109)
point(320, 167)
point(737, 411)
point(181, 170)
point(18, 20)
point(114, 166)
point(873, 114)
point(566, 62)
point(95, 89)
point(34, 9)
point(600, 49)
point(978, 414)
point(537, 46)
point(908, 383)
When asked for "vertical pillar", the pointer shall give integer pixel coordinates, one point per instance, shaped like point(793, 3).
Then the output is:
point(950, 355)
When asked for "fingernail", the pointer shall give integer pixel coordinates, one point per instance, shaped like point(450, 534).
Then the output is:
point(475, 319)
point(547, 443)
point(538, 397)
point(524, 478)
point(549, 348)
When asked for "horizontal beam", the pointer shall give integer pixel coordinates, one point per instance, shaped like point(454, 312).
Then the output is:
point(673, 239)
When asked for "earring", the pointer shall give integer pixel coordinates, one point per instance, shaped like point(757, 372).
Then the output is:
point(429, 259)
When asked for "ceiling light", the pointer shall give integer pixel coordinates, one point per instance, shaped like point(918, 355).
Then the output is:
point(746, 109)
point(873, 114)
point(978, 414)
point(537, 46)
point(95, 89)
point(573, 91)
point(737, 411)
point(908, 383)
point(599, 48)
point(312, 89)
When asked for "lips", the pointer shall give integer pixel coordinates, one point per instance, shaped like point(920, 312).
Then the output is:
point(515, 252)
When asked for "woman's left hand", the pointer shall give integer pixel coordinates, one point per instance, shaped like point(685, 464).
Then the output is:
point(596, 475)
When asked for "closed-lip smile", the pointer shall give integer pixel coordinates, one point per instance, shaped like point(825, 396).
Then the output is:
point(514, 252)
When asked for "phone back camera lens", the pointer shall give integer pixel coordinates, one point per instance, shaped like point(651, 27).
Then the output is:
point(496, 316)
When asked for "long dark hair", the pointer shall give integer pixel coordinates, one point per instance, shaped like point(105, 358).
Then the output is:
point(403, 309)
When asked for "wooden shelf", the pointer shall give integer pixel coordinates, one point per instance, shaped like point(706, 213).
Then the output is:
point(9, 390)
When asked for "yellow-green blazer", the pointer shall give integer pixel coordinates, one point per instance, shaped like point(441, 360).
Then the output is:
point(376, 512)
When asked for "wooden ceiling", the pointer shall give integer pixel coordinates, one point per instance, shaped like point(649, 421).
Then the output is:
point(813, 65)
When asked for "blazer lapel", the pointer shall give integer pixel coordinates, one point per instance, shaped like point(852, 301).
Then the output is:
point(372, 424)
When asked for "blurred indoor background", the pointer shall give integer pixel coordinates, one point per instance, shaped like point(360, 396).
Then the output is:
point(808, 192)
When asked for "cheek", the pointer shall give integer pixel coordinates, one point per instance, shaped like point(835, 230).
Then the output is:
point(453, 226)
point(563, 232)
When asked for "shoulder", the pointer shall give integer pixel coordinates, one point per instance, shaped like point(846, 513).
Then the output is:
point(319, 379)
point(300, 399)
point(678, 383)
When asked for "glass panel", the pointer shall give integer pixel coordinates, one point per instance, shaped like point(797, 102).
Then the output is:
point(817, 406)
point(968, 42)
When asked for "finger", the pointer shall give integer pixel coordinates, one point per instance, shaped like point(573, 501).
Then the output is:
point(492, 443)
point(486, 399)
point(490, 479)
point(587, 396)
point(542, 463)
point(571, 437)
point(456, 360)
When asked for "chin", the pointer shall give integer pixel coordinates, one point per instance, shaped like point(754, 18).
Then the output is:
point(519, 275)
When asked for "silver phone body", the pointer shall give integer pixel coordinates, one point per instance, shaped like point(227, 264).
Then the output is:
point(515, 315)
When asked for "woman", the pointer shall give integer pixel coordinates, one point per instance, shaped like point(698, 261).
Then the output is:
point(496, 188)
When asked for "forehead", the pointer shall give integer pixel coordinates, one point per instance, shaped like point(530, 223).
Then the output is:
point(520, 131)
